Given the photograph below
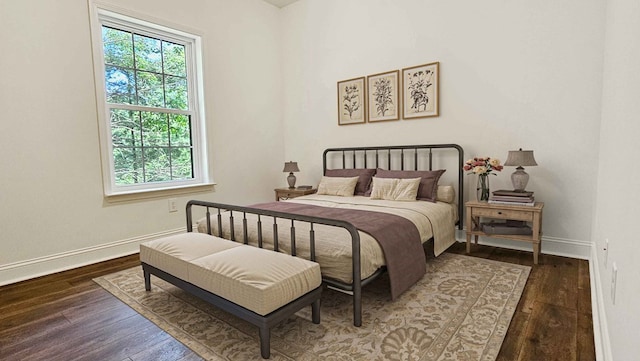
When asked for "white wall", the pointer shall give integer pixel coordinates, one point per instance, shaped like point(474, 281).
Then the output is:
point(53, 213)
point(618, 194)
point(513, 74)
point(516, 74)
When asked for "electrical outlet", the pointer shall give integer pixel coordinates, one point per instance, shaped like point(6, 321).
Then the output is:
point(606, 251)
point(173, 206)
point(614, 276)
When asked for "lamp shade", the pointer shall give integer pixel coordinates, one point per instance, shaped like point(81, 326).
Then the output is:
point(291, 167)
point(520, 158)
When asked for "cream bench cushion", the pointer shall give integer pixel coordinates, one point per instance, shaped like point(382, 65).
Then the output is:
point(173, 254)
point(257, 279)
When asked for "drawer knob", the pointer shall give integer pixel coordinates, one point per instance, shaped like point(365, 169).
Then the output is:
point(499, 212)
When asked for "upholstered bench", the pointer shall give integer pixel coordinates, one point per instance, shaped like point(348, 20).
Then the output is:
point(258, 285)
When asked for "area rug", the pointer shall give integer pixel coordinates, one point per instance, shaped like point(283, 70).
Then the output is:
point(460, 310)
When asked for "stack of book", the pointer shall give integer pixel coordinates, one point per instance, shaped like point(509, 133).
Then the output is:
point(513, 198)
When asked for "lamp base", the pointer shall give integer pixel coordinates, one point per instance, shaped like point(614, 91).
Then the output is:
point(291, 179)
point(519, 179)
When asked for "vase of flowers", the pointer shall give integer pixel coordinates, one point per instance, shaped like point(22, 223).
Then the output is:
point(482, 187)
point(482, 167)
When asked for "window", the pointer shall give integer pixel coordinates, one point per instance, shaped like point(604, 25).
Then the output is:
point(149, 92)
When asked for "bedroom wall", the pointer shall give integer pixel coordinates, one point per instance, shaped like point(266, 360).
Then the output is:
point(513, 74)
point(617, 208)
point(53, 214)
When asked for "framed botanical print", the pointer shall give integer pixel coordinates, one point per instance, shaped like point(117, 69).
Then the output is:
point(351, 101)
point(383, 96)
point(420, 86)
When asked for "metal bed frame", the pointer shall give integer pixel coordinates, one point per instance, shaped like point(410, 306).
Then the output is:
point(357, 157)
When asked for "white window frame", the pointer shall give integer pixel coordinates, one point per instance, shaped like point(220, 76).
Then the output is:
point(102, 14)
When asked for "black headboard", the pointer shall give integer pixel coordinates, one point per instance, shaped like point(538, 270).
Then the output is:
point(398, 157)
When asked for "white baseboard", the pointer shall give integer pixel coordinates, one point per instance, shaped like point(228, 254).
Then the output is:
point(600, 328)
point(41, 266)
point(550, 245)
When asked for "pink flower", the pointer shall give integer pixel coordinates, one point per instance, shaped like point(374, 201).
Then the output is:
point(482, 165)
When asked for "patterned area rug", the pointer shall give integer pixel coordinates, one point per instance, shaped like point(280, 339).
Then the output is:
point(460, 310)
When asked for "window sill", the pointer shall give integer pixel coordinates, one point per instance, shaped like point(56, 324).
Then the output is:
point(123, 197)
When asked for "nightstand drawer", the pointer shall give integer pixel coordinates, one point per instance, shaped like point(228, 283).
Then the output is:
point(288, 194)
point(503, 214)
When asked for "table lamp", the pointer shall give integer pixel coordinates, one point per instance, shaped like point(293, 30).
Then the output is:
point(291, 167)
point(520, 158)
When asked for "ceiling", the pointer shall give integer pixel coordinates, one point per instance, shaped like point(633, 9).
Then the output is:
point(280, 3)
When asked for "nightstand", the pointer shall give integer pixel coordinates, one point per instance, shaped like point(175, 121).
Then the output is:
point(288, 193)
point(530, 214)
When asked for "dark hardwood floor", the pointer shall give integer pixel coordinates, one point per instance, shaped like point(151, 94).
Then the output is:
point(66, 316)
point(553, 319)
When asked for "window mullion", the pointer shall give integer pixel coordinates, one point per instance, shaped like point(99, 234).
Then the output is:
point(168, 117)
point(135, 67)
point(164, 87)
point(143, 147)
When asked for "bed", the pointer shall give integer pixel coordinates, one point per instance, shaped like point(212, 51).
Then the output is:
point(337, 230)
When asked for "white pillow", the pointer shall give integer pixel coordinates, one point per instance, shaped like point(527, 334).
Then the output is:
point(382, 187)
point(337, 186)
point(395, 189)
point(446, 194)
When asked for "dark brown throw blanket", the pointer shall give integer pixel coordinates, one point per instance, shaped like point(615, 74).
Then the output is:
point(398, 237)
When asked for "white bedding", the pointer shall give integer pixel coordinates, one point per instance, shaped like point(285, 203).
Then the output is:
point(333, 245)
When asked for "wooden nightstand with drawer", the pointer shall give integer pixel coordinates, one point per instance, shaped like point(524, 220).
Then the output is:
point(288, 193)
point(530, 214)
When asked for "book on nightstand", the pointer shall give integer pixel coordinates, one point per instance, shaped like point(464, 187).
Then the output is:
point(512, 203)
point(504, 192)
point(513, 198)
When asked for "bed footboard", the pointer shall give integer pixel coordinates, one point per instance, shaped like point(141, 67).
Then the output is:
point(239, 214)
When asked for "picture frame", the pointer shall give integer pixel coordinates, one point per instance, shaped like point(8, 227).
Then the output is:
point(420, 91)
point(383, 96)
point(352, 107)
